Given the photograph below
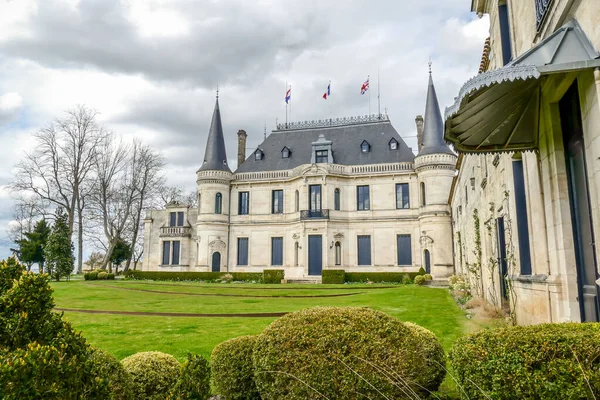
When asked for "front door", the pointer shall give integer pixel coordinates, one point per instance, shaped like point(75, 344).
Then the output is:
point(503, 270)
point(427, 262)
point(216, 262)
point(315, 254)
point(314, 200)
point(579, 197)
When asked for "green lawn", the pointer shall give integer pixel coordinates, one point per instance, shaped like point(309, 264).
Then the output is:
point(123, 335)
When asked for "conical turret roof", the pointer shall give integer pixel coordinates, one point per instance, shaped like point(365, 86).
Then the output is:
point(433, 125)
point(215, 156)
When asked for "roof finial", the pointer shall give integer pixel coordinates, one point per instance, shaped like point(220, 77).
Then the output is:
point(430, 65)
point(217, 89)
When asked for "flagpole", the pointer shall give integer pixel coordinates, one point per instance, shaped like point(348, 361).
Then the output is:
point(378, 97)
point(291, 103)
point(368, 79)
point(286, 105)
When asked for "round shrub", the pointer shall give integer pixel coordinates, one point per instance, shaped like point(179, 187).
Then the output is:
point(102, 275)
point(419, 279)
point(110, 277)
point(427, 277)
point(153, 374)
point(194, 382)
point(108, 368)
point(406, 279)
point(92, 276)
point(345, 353)
point(548, 361)
point(232, 370)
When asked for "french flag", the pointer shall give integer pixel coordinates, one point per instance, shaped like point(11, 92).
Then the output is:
point(288, 95)
point(328, 92)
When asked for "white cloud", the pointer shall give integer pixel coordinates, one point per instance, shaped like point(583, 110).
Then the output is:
point(10, 102)
point(155, 19)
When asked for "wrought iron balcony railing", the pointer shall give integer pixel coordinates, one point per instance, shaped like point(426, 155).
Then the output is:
point(541, 9)
point(176, 231)
point(314, 214)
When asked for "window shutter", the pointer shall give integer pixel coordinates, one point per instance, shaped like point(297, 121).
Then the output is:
point(175, 258)
point(364, 250)
point(166, 253)
point(404, 250)
point(277, 251)
point(242, 251)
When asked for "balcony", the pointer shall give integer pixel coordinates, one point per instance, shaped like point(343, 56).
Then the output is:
point(176, 231)
point(541, 9)
point(314, 214)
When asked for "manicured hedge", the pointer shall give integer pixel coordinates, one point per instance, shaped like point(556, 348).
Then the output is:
point(194, 382)
point(232, 369)
point(346, 353)
point(193, 276)
point(548, 361)
point(378, 277)
point(154, 374)
point(333, 276)
point(111, 370)
point(273, 275)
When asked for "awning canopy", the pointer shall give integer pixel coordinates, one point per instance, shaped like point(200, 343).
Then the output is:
point(499, 110)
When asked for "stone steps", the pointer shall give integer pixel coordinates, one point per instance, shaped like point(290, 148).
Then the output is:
point(439, 283)
point(305, 280)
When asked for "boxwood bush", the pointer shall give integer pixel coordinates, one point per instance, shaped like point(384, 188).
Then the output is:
point(548, 361)
point(345, 353)
point(153, 374)
point(378, 277)
point(232, 369)
point(109, 368)
point(420, 280)
point(194, 382)
point(333, 276)
point(193, 276)
point(273, 275)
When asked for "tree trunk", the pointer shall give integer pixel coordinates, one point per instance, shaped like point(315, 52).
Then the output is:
point(79, 240)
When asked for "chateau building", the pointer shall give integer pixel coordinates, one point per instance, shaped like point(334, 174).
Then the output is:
point(526, 200)
point(335, 194)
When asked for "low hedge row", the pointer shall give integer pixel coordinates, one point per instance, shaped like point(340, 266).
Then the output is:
point(273, 275)
point(379, 277)
point(333, 276)
point(98, 275)
point(193, 276)
point(547, 361)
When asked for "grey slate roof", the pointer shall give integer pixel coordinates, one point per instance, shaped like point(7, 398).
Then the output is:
point(215, 156)
point(345, 147)
point(433, 126)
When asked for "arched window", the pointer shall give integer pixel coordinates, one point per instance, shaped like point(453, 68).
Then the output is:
point(218, 203)
point(423, 202)
point(338, 253)
point(297, 201)
point(336, 199)
point(296, 251)
point(199, 197)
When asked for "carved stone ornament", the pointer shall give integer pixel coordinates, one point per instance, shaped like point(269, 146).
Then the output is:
point(217, 245)
point(338, 236)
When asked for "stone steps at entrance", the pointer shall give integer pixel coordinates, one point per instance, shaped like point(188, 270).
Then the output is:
point(305, 280)
point(441, 283)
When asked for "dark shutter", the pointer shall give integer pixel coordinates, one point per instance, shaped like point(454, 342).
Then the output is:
point(277, 251)
point(522, 225)
point(175, 259)
point(364, 250)
point(166, 253)
point(180, 218)
point(242, 251)
point(173, 219)
point(336, 199)
point(404, 250)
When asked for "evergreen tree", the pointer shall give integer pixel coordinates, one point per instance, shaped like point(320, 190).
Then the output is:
point(59, 248)
point(32, 246)
point(121, 252)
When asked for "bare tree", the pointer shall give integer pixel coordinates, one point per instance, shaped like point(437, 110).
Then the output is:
point(169, 194)
point(57, 169)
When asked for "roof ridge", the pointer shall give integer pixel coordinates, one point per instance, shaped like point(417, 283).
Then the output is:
point(332, 122)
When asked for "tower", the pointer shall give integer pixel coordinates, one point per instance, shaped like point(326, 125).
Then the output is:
point(435, 166)
point(213, 182)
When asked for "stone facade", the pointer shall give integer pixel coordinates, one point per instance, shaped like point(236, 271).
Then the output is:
point(484, 195)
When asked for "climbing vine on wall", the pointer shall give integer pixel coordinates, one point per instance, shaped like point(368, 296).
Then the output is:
point(510, 258)
point(474, 268)
point(460, 250)
point(491, 264)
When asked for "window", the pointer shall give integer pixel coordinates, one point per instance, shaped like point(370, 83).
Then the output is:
point(504, 31)
point(364, 250)
point(423, 202)
point(175, 255)
point(338, 253)
point(296, 251)
point(522, 223)
point(171, 252)
point(285, 153)
point(402, 195)
point(277, 251)
point(320, 156)
point(277, 201)
point(166, 253)
point(242, 256)
point(404, 250)
point(362, 198)
point(336, 199)
point(314, 198)
point(393, 144)
point(244, 203)
point(365, 147)
point(218, 203)
point(297, 201)
point(258, 155)
point(176, 218)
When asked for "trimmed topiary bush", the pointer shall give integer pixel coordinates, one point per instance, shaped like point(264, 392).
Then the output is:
point(273, 275)
point(102, 276)
point(93, 276)
point(419, 280)
point(428, 277)
point(422, 271)
point(110, 277)
point(153, 374)
point(194, 382)
point(193, 276)
point(109, 368)
point(345, 353)
point(232, 369)
point(333, 276)
point(377, 277)
point(548, 361)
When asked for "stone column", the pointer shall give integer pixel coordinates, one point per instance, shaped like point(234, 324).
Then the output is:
point(241, 147)
point(419, 122)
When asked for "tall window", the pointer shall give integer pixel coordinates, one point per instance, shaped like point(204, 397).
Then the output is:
point(314, 197)
point(336, 199)
point(175, 255)
point(242, 254)
point(362, 198)
point(297, 201)
point(364, 250)
point(402, 195)
point(176, 218)
point(320, 156)
point(404, 249)
point(522, 223)
point(296, 251)
point(277, 251)
point(171, 252)
point(218, 203)
point(277, 201)
point(244, 203)
point(338, 253)
point(504, 23)
point(423, 202)
point(166, 258)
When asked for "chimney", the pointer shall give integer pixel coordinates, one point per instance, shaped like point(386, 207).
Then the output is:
point(241, 147)
point(419, 122)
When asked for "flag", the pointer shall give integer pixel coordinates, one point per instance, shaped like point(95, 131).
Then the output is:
point(288, 95)
point(364, 87)
point(328, 92)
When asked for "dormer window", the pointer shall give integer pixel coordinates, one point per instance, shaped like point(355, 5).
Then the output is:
point(393, 144)
point(365, 147)
point(258, 155)
point(285, 153)
point(321, 156)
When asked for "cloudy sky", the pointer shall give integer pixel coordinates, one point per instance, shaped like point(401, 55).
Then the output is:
point(150, 67)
